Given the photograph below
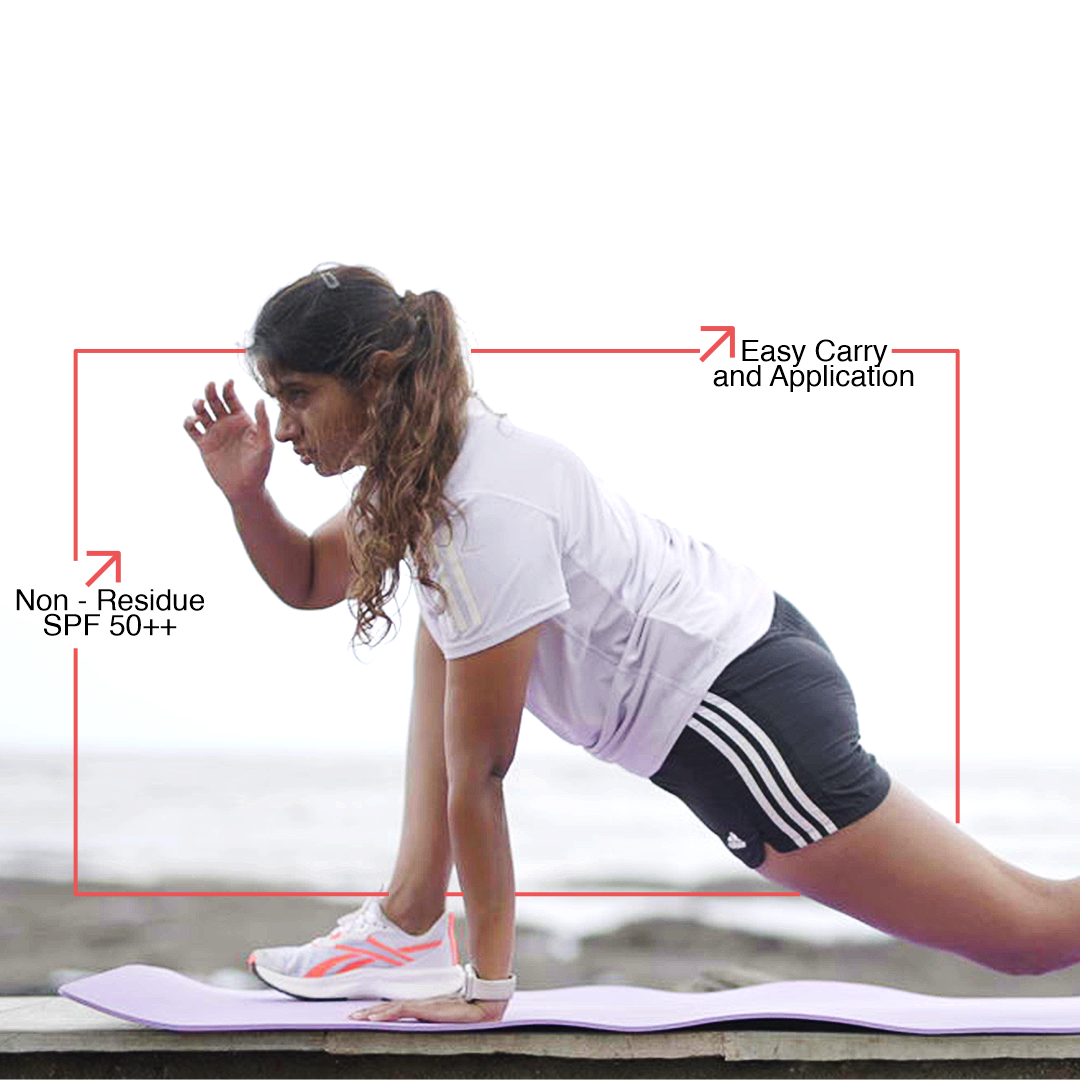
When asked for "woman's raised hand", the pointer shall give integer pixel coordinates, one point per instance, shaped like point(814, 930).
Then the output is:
point(235, 449)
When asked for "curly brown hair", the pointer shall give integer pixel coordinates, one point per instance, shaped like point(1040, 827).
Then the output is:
point(402, 359)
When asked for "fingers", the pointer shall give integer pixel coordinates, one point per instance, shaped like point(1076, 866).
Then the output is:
point(212, 408)
point(215, 403)
point(232, 402)
point(450, 1010)
point(381, 1012)
point(262, 420)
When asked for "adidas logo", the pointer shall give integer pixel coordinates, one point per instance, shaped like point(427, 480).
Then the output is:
point(735, 842)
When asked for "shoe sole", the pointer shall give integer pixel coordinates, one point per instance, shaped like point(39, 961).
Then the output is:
point(395, 985)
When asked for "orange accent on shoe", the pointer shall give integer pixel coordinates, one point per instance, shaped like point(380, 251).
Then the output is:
point(347, 952)
point(353, 966)
point(371, 939)
point(251, 957)
point(361, 963)
point(421, 948)
point(321, 969)
point(453, 940)
point(388, 955)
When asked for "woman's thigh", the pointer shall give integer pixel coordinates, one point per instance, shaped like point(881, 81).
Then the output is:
point(907, 870)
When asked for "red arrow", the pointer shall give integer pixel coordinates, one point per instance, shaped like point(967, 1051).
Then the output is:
point(114, 558)
point(728, 335)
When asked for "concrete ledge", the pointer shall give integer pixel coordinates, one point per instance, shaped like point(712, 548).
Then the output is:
point(51, 1030)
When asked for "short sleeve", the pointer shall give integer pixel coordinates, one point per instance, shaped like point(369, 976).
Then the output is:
point(502, 573)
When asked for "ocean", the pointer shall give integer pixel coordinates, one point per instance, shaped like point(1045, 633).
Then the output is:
point(330, 822)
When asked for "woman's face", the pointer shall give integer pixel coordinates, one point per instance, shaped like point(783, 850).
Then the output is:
point(319, 416)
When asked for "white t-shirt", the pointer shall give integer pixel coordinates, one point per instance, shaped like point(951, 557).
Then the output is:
point(639, 617)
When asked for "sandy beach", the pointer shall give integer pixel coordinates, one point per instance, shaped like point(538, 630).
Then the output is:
point(50, 936)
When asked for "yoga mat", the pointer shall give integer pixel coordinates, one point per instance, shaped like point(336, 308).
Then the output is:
point(163, 998)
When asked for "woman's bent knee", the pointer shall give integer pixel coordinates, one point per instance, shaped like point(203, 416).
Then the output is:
point(1040, 942)
point(1023, 962)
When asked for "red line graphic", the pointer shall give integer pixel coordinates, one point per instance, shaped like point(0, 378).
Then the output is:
point(956, 570)
point(75, 421)
point(114, 558)
point(75, 451)
point(75, 686)
point(581, 350)
point(75, 657)
point(518, 893)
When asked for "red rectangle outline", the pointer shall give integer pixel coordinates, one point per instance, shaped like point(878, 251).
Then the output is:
point(75, 651)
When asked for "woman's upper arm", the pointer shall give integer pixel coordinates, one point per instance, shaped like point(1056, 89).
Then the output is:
point(331, 570)
point(429, 682)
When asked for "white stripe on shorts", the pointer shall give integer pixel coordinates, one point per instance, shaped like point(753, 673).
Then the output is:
point(747, 776)
point(766, 774)
point(808, 805)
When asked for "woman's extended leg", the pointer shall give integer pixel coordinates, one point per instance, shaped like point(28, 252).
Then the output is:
point(909, 871)
point(771, 762)
point(417, 893)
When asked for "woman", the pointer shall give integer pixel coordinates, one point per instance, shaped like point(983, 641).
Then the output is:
point(542, 587)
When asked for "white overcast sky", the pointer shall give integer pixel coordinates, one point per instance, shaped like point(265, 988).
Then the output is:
point(569, 175)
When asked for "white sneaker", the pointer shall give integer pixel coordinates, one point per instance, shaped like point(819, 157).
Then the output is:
point(366, 956)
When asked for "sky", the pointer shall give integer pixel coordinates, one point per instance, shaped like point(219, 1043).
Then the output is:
point(570, 176)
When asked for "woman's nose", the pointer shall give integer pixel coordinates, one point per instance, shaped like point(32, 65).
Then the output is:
point(286, 428)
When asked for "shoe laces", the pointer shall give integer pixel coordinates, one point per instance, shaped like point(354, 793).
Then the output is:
point(354, 923)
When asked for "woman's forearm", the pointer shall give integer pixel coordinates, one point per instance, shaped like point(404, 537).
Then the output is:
point(481, 846)
point(280, 551)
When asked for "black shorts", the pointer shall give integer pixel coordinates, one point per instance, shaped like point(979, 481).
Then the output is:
point(772, 754)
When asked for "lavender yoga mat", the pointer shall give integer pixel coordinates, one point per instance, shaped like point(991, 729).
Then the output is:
point(163, 998)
